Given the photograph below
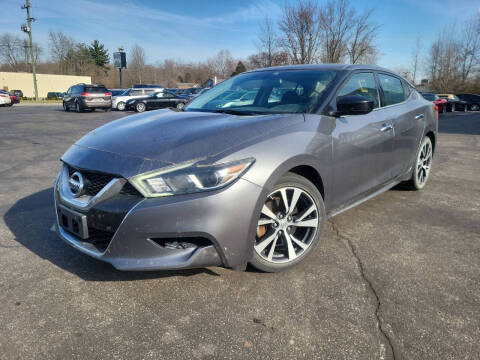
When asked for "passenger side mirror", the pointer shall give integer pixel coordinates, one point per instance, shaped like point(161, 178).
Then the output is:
point(352, 105)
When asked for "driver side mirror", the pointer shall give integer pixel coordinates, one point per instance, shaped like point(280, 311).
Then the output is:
point(352, 105)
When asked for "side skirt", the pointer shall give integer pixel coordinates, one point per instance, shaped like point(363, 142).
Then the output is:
point(367, 196)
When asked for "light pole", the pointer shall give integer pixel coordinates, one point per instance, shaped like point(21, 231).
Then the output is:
point(28, 29)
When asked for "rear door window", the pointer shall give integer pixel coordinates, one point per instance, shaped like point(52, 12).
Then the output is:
point(362, 84)
point(393, 92)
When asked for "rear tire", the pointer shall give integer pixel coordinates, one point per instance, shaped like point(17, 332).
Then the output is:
point(285, 237)
point(475, 107)
point(78, 108)
point(422, 166)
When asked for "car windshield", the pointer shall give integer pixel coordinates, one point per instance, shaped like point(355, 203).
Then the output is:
point(265, 92)
point(430, 97)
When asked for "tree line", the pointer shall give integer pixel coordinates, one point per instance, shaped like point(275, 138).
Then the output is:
point(307, 32)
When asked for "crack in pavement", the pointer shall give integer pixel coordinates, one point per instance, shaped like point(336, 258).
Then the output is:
point(348, 242)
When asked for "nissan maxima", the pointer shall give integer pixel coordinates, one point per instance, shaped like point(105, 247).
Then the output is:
point(227, 185)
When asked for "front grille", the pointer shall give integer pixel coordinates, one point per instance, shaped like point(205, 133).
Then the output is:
point(94, 180)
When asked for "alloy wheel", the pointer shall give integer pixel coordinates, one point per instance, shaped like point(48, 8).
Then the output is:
point(424, 162)
point(140, 107)
point(121, 106)
point(287, 226)
point(475, 107)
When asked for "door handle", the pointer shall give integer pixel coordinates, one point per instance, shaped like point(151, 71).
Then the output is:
point(386, 128)
point(419, 117)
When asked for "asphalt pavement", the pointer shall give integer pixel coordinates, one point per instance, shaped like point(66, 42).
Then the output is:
point(396, 277)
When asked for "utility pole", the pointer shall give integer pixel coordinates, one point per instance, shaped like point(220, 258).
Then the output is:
point(28, 29)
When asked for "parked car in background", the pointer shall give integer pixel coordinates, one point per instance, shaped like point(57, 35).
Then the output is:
point(55, 95)
point(473, 101)
point(81, 97)
point(119, 101)
point(18, 93)
point(218, 186)
point(148, 86)
point(116, 92)
point(15, 99)
point(453, 102)
point(5, 98)
point(202, 91)
point(191, 92)
point(440, 103)
point(158, 100)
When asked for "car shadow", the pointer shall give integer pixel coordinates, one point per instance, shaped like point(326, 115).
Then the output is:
point(31, 220)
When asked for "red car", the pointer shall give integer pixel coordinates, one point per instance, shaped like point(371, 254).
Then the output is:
point(14, 99)
point(441, 104)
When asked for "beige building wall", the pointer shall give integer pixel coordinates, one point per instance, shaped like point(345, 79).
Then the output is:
point(45, 82)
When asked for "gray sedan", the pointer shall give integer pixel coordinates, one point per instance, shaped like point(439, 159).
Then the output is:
point(227, 183)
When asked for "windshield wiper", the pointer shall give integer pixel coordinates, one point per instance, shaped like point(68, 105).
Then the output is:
point(236, 112)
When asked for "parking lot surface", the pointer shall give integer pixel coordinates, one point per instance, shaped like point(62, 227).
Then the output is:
point(396, 277)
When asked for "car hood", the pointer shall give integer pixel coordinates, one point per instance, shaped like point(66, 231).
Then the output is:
point(149, 141)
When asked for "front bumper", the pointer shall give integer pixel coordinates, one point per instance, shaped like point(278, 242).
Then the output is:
point(174, 232)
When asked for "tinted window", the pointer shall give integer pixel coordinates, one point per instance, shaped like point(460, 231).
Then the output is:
point(429, 97)
point(136, 92)
point(392, 89)
point(96, 89)
point(362, 84)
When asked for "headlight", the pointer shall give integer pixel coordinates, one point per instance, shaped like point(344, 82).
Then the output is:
point(189, 178)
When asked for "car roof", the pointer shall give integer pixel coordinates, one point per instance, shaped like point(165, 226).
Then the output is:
point(333, 67)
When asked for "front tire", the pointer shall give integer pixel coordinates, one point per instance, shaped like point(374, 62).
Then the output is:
point(475, 107)
point(422, 166)
point(66, 107)
point(140, 107)
point(180, 106)
point(290, 224)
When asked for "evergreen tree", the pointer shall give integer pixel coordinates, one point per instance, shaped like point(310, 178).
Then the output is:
point(99, 54)
point(239, 69)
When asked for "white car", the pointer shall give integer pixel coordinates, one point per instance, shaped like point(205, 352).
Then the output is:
point(5, 98)
point(118, 102)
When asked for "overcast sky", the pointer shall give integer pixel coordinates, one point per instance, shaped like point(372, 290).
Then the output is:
point(194, 30)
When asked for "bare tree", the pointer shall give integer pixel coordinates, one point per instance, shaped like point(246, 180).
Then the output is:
point(469, 47)
point(360, 43)
point(415, 57)
point(222, 64)
point(137, 61)
point(61, 49)
point(337, 19)
point(454, 58)
point(15, 52)
point(268, 42)
point(301, 31)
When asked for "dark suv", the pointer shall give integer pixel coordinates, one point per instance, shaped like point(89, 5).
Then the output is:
point(473, 101)
point(84, 96)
